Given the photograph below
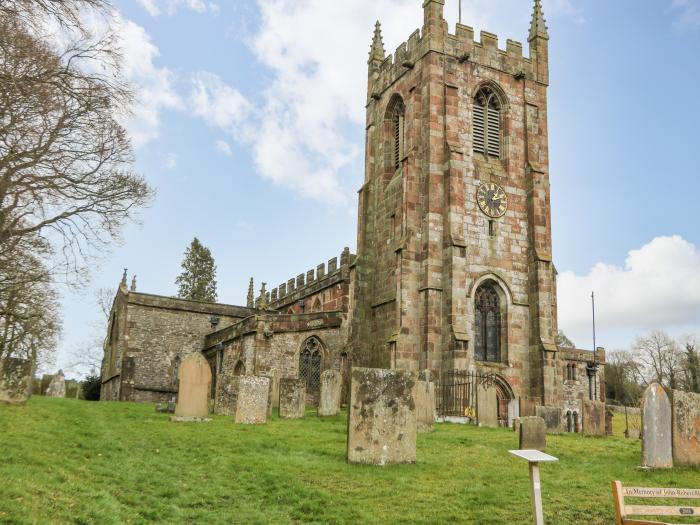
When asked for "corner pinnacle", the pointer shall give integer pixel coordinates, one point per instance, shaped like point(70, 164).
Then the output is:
point(538, 26)
point(377, 52)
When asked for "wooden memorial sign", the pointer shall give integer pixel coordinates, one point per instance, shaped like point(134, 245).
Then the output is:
point(624, 511)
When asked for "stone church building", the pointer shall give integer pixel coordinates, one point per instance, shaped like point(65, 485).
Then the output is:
point(453, 270)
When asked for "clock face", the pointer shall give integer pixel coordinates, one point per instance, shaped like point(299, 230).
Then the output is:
point(492, 199)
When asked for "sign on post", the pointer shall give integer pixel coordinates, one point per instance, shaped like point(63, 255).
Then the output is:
point(534, 458)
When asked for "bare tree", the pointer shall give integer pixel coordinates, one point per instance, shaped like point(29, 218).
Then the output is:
point(65, 161)
point(87, 356)
point(691, 363)
point(659, 358)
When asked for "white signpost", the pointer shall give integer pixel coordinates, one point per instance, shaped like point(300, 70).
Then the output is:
point(534, 458)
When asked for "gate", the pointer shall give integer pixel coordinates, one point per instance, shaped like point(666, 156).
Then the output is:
point(459, 393)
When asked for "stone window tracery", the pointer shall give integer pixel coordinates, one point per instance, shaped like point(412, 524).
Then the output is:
point(487, 123)
point(310, 364)
point(487, 346)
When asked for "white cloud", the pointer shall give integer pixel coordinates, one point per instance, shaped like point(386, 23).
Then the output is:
point(224, 147)
point(156, 7)
point(688, 14)
point(658, 288)
point(219, 104)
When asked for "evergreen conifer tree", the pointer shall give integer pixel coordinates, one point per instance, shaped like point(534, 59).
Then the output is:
point(198, 278)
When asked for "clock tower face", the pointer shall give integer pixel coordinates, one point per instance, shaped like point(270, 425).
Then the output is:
point(492, 200)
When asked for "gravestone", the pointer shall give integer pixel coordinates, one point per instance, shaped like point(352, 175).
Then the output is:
point(251, 400)
point(195, 385)
point(57, 386)
point(533, 433)
point(331, 389)
point(15, 380)
point(487, 406)
point(609, 416)
point(225, 396)
point(381, 417)
point(592, 418)
point(657, 443)
point(274, 396)
point(686, 428)
point(292, 398)
point(72, 389)
point(552, 418)
point(424, 397)
point(516, 423)
point(513, 411)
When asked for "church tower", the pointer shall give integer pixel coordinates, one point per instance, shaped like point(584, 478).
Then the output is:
point(454, 267)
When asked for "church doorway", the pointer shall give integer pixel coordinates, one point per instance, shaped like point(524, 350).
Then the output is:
point(506, 400)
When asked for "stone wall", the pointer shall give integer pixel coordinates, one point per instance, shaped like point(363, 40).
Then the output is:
point(149, 336)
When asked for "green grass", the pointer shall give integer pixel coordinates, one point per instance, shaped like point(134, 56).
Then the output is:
point(68, 461)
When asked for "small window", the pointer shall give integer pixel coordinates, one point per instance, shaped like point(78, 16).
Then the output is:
point(487, 123)
point(492, 228)
point(239, 369)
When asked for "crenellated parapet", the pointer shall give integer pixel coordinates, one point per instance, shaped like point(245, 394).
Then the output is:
point(306, 284)
point(461, 46)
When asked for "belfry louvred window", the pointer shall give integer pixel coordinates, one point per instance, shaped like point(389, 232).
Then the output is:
point(487, 123)
point(397, 123)
point(487, 329)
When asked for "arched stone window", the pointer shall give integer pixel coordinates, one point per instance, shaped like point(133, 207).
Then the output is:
point(487, 122)
point(395, 116)
point(239, 369)
point(310, 364)
point(569, 421)
point(487, 329)
point(316, 307)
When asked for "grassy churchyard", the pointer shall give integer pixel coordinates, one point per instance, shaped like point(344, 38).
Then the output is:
point(69, 461)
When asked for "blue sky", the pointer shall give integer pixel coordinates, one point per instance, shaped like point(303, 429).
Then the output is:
point(249, 124)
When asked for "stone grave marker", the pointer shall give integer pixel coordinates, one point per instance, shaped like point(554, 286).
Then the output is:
point(552, 418)
point(533, 433)
point(657, 443)
point(57, 386)
point(331, 390)
point(381, 417)
point(513, 411)
point(487, 406)
point(195, 384)
point(274, 396)
point(424, 396)
point(292, 398)
point(592, 418)
point(686, 428)
point(15, 380)
point(252, 400)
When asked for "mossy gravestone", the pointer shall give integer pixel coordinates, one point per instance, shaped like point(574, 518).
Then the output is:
point(15, 380)
point(381, 417)
point(252, 400)
point(533, 433)
point(552, 418)
point(592, 418)
point(331, 389)
point(656, 428)
point(292, 398)
point(686, 428)
point(57, 386)
point(425, 405)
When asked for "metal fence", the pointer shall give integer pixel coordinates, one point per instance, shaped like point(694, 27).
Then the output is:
point(458, 392)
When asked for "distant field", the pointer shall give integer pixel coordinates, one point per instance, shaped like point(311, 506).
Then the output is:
point(68, 461)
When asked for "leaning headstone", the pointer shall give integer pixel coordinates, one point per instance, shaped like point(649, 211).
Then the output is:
point(487, 406)
point(331, 389)
point(292, 398)
point(381, 417)
point(195, 385)
point(252, 400)
point(552, 418)
point(686, 428)
point(592, 418)
point(533, 433)
point(424, 396)
point(15, 380)
point(657, 443)
point(57, 386)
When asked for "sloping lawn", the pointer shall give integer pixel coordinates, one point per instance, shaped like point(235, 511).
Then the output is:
point(68, 461)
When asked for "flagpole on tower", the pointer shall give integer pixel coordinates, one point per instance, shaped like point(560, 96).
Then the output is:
point(460, 11)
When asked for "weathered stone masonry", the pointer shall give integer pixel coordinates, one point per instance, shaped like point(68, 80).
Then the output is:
point(430, 261)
